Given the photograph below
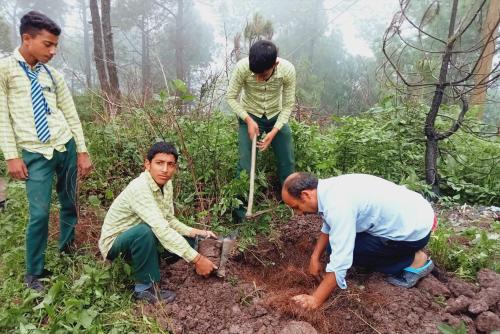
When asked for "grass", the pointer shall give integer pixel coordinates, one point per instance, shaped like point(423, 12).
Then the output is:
point(466, 252)
point(85, 295)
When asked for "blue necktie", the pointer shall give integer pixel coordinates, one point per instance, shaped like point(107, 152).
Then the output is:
point(40, 106)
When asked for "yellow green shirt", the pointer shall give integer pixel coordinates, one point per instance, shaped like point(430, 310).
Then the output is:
point(17, 122)
point(270, 98)
point(142, 201)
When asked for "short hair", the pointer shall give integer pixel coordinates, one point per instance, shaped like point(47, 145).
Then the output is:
point(33, 22)
point(299, 182)
point(263, 55)
point(162, 147)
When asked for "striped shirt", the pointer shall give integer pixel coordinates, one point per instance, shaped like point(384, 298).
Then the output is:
point(270, 98)
point(142, 201)
point(17, 122)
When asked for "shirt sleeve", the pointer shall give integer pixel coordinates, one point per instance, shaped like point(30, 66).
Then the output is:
point(288, 98)
point(234, 89)
point(325, 228)
point(7, 136)
point(146, 208)
point(342, 235)
point(67, 106)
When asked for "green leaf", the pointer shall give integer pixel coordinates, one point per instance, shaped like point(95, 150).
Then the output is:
point(51, 295)
point(180, 86)
point(86, 317)
point(446, 329)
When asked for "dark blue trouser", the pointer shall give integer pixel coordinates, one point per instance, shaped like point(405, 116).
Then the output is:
point(385, 255)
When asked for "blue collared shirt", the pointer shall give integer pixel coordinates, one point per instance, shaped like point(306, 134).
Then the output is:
point(356, 203)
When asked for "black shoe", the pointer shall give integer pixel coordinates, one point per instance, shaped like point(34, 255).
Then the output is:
point(154, 295)
point(33, 282)
point(69, 249)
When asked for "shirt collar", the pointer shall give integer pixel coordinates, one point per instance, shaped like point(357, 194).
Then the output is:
point(151, 182)
point(19, 57)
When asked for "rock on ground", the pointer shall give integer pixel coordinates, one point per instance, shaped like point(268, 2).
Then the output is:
point(298, 327)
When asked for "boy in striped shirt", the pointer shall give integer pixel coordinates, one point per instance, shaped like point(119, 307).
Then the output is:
point(38, 118)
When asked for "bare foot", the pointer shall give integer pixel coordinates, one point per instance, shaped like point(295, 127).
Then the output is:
point(420, 260)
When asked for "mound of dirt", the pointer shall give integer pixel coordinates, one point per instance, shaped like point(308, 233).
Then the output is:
point(255, 295)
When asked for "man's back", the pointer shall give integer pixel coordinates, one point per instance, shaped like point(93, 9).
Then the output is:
point(380, 207)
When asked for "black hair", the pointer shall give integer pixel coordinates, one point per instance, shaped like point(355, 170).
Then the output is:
point(162, 147)
point(262, 56)
point(300, 182)
point(33, 22)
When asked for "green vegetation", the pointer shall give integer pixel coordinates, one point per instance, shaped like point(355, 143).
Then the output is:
point(88, 296)
point(447, 329)
point(466, 252)
point(85, 295)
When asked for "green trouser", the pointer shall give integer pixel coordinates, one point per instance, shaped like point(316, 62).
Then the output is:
point(282, 146)
point(139, 245)
point(39, 190)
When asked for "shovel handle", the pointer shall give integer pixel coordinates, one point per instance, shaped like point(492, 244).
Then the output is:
point(252, 177)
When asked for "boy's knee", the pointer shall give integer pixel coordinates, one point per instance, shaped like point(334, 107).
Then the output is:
point(144, 231)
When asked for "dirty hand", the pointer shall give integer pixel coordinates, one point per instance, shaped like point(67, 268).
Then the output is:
point(84, 164)
point(315, 268)
point(307, 302)
point(203, 233)
point(266, 141)
point(203, 265)
point(17, 169)
point(253, 128)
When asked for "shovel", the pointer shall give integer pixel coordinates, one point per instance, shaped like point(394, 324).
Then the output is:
point(227, 245)
point(249, 215)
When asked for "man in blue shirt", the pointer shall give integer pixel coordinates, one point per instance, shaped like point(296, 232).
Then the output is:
point(368, 222)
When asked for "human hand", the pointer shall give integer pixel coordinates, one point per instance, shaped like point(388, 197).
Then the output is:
point(203, 266)
point(203, 233)
point(84, 164)
point(267, 140)
point(253, 128)
point(17, 169)
point(307, 302)
point(315, 268)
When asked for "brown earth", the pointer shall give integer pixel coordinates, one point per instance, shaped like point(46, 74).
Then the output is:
point(254, 297)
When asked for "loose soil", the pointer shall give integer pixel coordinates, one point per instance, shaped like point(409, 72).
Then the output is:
point(254, 297)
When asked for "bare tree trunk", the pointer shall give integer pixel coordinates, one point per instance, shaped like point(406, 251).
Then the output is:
point(99, 52)
point(86, 44)
point(146, 64)
point(110, 55)
point(179, 41)
point(431, 148)
point(486, 62)
point(237, 46)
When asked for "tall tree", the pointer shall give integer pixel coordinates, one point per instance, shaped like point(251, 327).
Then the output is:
point(486, 62)
point(86, 43)
point(446, 71)
point(104, 55)
point(257, 29)
point(99, 47)
point(109, 51)
point(179, 41)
